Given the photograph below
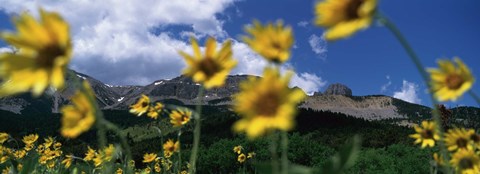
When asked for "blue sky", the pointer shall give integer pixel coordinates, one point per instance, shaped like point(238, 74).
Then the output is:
point(113, 38)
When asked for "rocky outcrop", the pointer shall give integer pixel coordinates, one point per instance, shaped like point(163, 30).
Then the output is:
point(338, 89)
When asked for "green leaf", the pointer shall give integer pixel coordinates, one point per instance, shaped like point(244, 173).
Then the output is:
point(345, 158)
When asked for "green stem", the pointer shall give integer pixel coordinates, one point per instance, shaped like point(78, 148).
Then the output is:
point(284, 145)
point(273, 152)
point(179, 166)
point(196, 131)
point(475, 96)
point(416, 60)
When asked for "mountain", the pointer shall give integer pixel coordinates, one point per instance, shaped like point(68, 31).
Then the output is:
point(183, 91)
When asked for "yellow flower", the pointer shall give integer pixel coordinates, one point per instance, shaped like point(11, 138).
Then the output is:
point(90, 154)
point(131, 163)
point(48, 142)
point(474, 137)
point(119, 171)
point(342, 18)
point(466, 161)
point(19, 167)
point(180, 117)
point(147, 170)
point(67, 161)
point(266, 104)
point(45, 51)
point(237, 149)
point(438, 159)
point(153, 111)
point(211, 69)
point(272, 41)
point(427, 134)
point(3, 137)
point(6, 171)
point(30, 139)
point(109, 152)
point(241, 158)
point(449, 82)
point(458, 138)
point(51, 164)
point(80, 116)
point(184, 172)
point(170, 147)
point(149, 157)
point(141, 106)
point(157, 167)
point(98, 159)
point(251, 154)
point(28, 147)
point(19, 154)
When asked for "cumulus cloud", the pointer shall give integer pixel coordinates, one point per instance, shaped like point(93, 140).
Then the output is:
point(409, 92)
point(303, 23)
point(310, 83)
point(319, 45)
point(5, 49)
point(386, 85)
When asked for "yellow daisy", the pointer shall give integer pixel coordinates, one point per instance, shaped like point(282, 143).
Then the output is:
point(251, 154)
point(68, 161)
point(449, 82)
point(141, 106)
point(119, 171)
point(272, 41)
point(109, 152)
point(237, 149)
point(342, 18)
point(155, 110)
point(157, 167)
point(266, 104)
point(427, 134)
point(80, 116)
point(19, 154)
point(149, 157)
point(180, 117)
point(474, 137)
point(3, 137)
point(45, 51)
point(90, 154)
point(241, 158)
point(466, 162)
point(458, 138)
point(211, 69)
point(30, 139)
point(170, 147)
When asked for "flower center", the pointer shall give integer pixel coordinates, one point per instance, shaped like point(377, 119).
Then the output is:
point(268, 104)
point(475, 138)
point(465, 163)
point(184, 118)
point(209, 67)
point(462, 143)
point(144, 104)
point(454, 81)
point(48, 55)
point(352, 9)
point(427, 134)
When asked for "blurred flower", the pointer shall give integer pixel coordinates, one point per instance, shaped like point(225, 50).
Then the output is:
point(237, 149)
point(474, 137)
point(119, 171)
point(266, 104)
point(427, 134)
point(30, 139)
point(251, 155)
point(80, 116)
point(90, 154)
point(272, 41)
point(131, 163)
point(157, 167)
point(466, 161)
point(438, 159)
point(141, 106)
point(180, 117)
point(45, 51)
point(342, 18)
point(458, 138)
point(449, 82)
point(241, 158)
point(211, 69)
point(184, 172)
point(149, 157)
point(68, 161)
point(3, 137)
point(109, 152)
point(147, 170)
point(153, 111)
point(170, 147)
point(19, 154)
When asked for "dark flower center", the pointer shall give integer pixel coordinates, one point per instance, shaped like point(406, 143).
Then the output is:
point(268, 104)
point(475, 138)
point(462, 143)
point(352, 9)
point(47, 55)
point(427, 134)
point(209, 67)
point(144, 104)
point(454, 81)
point(465, 163)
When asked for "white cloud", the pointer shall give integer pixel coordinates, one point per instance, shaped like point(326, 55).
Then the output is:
point(5, 49)
point(303, 23)
point(386, 85)
point(408, 92)
point(310, 83)
point(319, 45)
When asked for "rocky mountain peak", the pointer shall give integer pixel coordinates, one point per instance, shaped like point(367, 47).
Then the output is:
point(338, 89)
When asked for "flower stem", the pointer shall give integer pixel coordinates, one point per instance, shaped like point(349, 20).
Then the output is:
point(416, 60)
point(196, 131)
point(475, 96)
point(179, 151)
point(284, 145)
point(273, 152)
